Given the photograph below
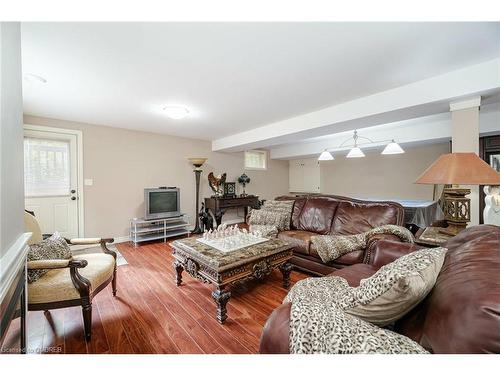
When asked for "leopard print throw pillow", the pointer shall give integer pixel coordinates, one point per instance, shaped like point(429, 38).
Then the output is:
point(275, 213)
point(54, 247)
point(319, 327)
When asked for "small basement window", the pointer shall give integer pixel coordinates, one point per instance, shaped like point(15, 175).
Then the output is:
point(256, 159)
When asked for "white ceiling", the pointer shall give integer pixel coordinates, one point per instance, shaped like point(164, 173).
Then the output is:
point(232, 76)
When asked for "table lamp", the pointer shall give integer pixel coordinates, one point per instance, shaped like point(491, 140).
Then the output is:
point(458, 168)
point(197, 163)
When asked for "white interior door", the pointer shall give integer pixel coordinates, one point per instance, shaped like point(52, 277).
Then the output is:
point(51, 180)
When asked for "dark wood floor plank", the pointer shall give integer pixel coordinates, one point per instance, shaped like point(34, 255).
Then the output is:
point(35, 328)
point(99, 343)
point(160, 317)
point(54, 335)
point(116, 336)
point(137, 337)
point(74, 337)
point(148, 324)
point(151, 314)
point(177, 312)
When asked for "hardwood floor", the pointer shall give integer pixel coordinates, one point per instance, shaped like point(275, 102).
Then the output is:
point(150, 314)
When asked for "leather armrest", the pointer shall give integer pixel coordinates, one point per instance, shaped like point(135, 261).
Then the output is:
point(275, 335)
point(385, 251)
point(48, 264)
point(382, 236)
point(373, 240)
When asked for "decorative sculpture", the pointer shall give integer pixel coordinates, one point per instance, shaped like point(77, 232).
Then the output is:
point(217, 183)
point(244, 180)
point(206, 219)
point(491, 213)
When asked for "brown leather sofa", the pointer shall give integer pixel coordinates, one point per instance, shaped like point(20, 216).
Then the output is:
point(460, 315)
point(330, 214)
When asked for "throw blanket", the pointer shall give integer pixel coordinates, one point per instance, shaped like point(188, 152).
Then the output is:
point(268, 231)
point(331, 247)
point(320, 322)
point(321, 327)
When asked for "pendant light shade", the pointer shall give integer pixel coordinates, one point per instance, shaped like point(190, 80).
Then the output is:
point(392, 149)
point(355, 153)
point(325, 155)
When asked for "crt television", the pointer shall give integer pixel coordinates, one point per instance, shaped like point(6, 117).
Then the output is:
point(161, 203)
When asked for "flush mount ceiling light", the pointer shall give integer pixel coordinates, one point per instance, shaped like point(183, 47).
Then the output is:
point(33, 78)
point(325, 155)
point(176, 112)
point(391, 147)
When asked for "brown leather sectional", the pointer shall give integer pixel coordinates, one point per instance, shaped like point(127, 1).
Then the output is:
point(330, 214)
point(460, 315)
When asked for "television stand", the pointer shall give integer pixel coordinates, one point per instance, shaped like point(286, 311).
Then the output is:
point(142, 230)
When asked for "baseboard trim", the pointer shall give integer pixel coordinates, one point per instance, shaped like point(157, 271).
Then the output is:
point(13, 259)
point(122, 239)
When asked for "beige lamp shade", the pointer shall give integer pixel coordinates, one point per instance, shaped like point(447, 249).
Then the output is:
point(465, 168)
point(197, 162)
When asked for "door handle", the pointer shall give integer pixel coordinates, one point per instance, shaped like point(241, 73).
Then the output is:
point(73, 191)
point(73, 198)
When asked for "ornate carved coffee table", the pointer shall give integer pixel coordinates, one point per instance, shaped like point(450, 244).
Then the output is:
point(210, 265)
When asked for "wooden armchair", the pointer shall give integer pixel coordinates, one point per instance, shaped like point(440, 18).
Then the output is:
point(71, 282)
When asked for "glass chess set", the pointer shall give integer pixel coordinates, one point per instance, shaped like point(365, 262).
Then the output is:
point(230, 238)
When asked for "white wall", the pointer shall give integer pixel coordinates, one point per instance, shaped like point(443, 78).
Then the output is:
point(124, 162)
point(11, 137)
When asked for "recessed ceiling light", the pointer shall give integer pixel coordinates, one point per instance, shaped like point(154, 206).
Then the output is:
point(34, 78)
point(176, 112)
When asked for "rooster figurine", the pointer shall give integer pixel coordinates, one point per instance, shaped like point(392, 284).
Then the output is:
point(216, 183)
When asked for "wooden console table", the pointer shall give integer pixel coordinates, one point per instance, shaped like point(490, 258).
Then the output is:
point(218, 206)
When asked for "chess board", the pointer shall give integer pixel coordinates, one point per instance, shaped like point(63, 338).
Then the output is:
point(224, 245)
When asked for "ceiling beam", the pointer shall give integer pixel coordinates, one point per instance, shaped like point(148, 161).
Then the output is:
point(423, 130)
point(426, 97)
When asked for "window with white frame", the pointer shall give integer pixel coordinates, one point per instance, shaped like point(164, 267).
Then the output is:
point(46, 167)
point(256, 159)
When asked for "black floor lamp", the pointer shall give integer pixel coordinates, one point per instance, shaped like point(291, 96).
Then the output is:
point(197, 163)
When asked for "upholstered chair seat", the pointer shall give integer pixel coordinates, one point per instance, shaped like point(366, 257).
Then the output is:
point(56, 285)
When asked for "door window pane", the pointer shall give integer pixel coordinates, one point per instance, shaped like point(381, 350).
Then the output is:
point(46, 167)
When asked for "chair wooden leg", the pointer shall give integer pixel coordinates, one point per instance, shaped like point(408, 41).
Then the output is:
point(87, 321)
point(113, 283)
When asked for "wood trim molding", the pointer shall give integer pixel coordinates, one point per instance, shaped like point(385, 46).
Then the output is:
point(13, 260)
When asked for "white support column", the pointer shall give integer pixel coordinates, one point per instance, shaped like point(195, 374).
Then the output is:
point(465, 138)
